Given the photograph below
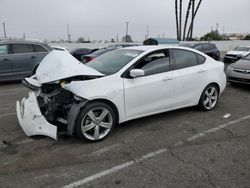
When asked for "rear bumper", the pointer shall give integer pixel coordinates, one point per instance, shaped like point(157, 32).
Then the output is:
point(31, 119)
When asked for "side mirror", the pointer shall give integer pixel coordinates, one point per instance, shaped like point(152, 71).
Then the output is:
point(136, 73)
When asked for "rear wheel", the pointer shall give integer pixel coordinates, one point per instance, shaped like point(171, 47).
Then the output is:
point(95, 122)
point(209, 97)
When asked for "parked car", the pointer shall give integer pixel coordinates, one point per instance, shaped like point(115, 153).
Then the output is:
point(121, 85)
point(20, 58)
point(207, 48)
point(93, 55)
point(78, 52)
point(239, 72)
point(236, 54)
point(61, 48)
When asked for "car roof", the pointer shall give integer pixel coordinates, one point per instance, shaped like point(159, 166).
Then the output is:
point(156, 47)
point(21, 41)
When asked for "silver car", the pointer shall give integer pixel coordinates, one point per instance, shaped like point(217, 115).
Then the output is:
point(19, 59)
point(239, 72)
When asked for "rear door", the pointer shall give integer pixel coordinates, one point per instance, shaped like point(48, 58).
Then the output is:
point(22, 58)
point(190, 76)
point(5, 62)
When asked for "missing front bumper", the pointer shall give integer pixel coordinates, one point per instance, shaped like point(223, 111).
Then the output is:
point(31, 119)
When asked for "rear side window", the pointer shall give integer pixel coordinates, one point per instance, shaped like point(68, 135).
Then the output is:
point(21, 48)
point(184, 58)
point(3, 49)
point(38, 48)
point(198, 47)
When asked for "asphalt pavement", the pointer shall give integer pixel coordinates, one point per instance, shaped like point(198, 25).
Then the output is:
point(182, 148)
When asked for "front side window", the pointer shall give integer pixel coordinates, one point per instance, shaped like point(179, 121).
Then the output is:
point(155, 63)
point(3, 49)
point(22, 48)
point(184, 58)
point(111, 62)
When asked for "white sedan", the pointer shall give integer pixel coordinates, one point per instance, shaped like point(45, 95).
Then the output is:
point(118, 86)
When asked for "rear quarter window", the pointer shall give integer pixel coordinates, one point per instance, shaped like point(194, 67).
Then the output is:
point(39, 48)
point(201, 59)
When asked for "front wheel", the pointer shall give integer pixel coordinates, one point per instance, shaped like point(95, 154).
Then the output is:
point(209, 97)
point(95, 122)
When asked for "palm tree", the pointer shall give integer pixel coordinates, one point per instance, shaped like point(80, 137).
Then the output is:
point(186, 20)
point(180, 20)
point(191, 27)
point(176, 19)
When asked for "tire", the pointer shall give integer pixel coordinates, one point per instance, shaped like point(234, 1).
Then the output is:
point(209, 98)
point(95, 122)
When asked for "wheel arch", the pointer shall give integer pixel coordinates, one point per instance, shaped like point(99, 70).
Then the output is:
point(110, 103)
point(75, 111)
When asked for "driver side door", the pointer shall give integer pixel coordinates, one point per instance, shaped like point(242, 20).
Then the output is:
point(153, 92)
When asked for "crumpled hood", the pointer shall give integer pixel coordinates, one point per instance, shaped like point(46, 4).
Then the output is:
point(59, 65)
point(243, 53)
point(241, 64)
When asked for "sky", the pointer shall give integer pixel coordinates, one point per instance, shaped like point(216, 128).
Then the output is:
point(105, 19)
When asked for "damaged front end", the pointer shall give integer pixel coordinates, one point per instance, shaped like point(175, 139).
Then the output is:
point(41, 112)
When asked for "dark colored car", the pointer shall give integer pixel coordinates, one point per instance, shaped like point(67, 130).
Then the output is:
point(89, 57)
point(207, 48)
point(78, 52)
point(236, 54)
point(19, 59)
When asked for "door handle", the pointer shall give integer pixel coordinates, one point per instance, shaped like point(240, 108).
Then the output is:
point(201, 71)
point(167, 78)
point(33, 57)
point(6, 59)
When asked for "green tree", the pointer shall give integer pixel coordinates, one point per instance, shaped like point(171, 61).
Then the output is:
point(213, 35)
point(127, 38)
point(247, 37)
point(81, 40)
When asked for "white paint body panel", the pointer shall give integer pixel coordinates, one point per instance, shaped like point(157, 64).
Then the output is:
point(135, 97)
point(31, 119)
point(59, 65)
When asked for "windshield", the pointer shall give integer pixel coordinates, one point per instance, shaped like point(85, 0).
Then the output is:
point(102, 51)
point(113, 61)
point(244, 49)
point(247, 57)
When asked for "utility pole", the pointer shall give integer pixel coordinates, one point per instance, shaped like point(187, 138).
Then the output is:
point(69, 37)
point(126, 37)
point(4, 30)
point(217, 26)
point(147, 32)
point(117, 38)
